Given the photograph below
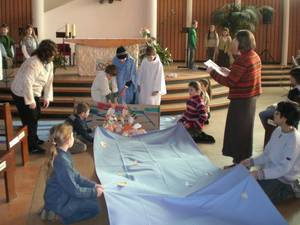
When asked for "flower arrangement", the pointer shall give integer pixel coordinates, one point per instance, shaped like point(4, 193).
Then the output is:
point(163, 53)
point(123, 124)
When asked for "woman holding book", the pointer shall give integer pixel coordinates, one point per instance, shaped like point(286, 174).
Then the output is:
point(244, 82)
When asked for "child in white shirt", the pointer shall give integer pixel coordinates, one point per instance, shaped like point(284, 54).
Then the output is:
point(104, 88)
point(279, 165)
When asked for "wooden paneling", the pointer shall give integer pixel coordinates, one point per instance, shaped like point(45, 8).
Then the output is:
point(294, 32)
point(16, 13)
point(271, 32)
point(171, 18)
point(202, 11)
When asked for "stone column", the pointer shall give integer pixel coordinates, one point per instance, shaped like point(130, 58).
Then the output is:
point(285, 32)
point(189, 12)
point(151, 10)
point(38, 17)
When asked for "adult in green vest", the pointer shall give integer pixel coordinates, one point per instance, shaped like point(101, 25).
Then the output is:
point(192, 43)
point(7, 44)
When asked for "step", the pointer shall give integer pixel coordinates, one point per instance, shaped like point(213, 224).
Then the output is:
point(276, 77)
point(55, 111)
point(281, 83)
point(177, 108)
point(216, 93)
point(275, 72)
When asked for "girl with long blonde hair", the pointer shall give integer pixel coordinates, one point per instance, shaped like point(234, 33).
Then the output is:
point(68, 195)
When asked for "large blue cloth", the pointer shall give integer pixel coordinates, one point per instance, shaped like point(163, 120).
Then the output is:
point(127, 72)
point(167, 180)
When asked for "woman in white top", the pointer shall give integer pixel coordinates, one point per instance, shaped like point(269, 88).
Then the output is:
point(104, 88)
point(29, 43)
point(151, 79)
point(279, 164)
point(34, 77)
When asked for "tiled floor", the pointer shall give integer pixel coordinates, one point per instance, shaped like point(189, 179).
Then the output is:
point(17, 211)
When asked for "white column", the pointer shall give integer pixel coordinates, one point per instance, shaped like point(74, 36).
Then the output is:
point(189, 13)
point(151, 6)
point(285, 32)
point(38, 17)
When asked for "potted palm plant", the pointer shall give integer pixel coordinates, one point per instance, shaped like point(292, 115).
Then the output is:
point(237, 17)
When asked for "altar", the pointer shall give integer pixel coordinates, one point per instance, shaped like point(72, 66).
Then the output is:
point(96, 53)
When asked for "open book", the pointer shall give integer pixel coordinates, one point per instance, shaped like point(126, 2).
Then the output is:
point(224, 72)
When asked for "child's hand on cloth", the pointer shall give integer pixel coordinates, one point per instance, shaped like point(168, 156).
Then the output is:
point(245, 162)
point(99, 189)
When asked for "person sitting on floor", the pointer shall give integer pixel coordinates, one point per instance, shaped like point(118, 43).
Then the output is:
point(104, 88)
point(79, 123)
point(195, 115)
point(279, 165)
point(293, 95)
point(68, 195)
point(206, 93)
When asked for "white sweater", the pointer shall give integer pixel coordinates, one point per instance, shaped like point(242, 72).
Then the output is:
point(281, 157)
point(32, 78)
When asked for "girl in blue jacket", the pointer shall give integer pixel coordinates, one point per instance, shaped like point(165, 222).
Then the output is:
point(68, 195)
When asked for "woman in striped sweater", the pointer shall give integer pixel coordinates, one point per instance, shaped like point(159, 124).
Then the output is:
point(244, 82)
point(196, 115)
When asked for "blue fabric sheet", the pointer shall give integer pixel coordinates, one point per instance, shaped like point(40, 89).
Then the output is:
point(169, 181)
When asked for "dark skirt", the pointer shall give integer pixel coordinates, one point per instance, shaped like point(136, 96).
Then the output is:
point(223, 59)
point(238, 136)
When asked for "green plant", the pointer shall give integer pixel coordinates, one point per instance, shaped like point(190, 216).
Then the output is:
point(59, 61)
point(163, 53)
point(237, 17)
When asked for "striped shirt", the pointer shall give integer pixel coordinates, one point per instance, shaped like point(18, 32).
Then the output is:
point(244, 79)
point(195, 114)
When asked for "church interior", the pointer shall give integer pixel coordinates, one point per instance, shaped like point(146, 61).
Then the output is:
point(149, 112)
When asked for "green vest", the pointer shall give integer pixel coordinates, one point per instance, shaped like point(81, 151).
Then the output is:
point(192, 37)
point(7, 43)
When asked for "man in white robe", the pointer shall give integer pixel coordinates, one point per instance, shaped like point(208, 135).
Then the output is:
point(151, 79)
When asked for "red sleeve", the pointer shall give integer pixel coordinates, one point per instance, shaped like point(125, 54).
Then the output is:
point(236, 72)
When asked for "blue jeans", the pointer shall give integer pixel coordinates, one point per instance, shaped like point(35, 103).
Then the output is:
point(276, 190)
point(266, 114)
point(79, 209)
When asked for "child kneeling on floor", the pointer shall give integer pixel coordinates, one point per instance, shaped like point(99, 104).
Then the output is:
point(279, 165)
point(68, 195)
point(195, 115)
point(83, 133)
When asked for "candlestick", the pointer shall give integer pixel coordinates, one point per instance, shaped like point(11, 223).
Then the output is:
point(73, 30)
point(67, 30)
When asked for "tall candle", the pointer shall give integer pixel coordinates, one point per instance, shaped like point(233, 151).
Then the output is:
point(73, 30)
point(67, 30)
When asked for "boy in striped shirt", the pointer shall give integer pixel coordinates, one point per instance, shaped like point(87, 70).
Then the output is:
point(195, 115)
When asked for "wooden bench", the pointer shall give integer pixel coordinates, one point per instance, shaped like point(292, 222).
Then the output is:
point(13, 138)
point(8, 168)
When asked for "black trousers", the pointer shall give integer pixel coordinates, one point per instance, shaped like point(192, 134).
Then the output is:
point(29, 118)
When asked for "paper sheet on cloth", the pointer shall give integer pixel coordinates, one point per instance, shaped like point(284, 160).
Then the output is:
point(168, 181)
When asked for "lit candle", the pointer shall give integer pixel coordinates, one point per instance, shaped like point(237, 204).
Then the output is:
point(67, 30)
point(73, 30)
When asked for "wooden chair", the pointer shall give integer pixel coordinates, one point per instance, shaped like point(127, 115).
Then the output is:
point(8, 168)
point(13, 138)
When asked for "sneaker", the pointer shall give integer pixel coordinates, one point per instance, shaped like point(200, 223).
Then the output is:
point(204, 138)
point(48, 215)
point(40, 142)
point(296, 188)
